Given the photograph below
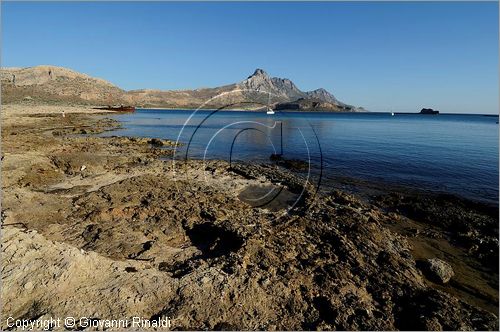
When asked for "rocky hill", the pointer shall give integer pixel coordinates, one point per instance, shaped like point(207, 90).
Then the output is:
point(52, 85)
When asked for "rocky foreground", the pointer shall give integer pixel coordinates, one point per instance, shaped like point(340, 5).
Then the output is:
point(102, 227)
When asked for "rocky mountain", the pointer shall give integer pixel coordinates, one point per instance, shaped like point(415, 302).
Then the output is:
point(284, 94)
point(51, 84)
point(280, 88)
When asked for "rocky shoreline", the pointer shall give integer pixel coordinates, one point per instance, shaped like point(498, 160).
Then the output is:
point(103, 227)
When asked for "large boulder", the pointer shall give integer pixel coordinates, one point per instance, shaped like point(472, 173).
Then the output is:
point(439, 270)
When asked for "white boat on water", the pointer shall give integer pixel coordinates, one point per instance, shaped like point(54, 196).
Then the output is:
point(269, 111)
point(392, 113)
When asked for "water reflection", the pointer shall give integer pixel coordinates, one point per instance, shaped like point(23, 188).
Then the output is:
point(452, 153)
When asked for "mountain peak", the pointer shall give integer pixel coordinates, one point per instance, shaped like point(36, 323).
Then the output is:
point(283, 88)
point(259, 72)
point(320, 90)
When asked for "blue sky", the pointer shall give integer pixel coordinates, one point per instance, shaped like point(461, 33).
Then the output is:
point(383, 56)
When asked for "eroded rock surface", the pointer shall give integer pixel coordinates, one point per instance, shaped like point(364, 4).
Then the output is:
point(127, 236)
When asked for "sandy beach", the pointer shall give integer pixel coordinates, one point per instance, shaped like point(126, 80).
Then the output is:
point(102, 227)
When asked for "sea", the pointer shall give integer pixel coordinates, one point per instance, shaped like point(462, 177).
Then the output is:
point(447, 153)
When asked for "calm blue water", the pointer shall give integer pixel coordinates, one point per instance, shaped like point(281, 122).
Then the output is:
point(457, 154)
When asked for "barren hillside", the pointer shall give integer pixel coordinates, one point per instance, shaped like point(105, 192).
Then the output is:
point(54, 85)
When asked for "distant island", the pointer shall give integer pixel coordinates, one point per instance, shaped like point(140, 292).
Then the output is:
point(428, 111)
point(57, 85)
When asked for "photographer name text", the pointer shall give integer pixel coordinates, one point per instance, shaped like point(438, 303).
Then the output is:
point(87, 322)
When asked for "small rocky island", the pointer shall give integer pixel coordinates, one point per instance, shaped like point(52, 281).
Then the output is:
point(428, 111)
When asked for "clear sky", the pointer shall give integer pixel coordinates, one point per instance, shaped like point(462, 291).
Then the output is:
point(382, 56)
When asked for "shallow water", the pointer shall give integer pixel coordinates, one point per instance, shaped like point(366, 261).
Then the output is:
point(457, 154)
